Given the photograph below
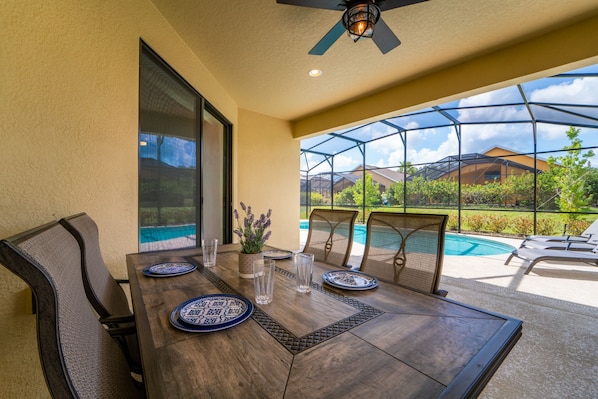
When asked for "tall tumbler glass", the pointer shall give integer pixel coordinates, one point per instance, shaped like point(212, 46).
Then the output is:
point(263, 280)
point(304, 268)
point(209, 250)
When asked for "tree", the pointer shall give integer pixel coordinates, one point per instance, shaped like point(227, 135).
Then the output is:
point(317, 198)
point(372, 191)
point(592, 182)
point(395, 193)
point(407, 168)
point(344, 197)
point(569, 174)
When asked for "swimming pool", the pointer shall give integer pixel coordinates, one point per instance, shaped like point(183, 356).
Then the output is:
point(454, 244)
point(161, 233)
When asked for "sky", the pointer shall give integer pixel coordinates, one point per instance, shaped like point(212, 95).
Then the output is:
point(429, 144)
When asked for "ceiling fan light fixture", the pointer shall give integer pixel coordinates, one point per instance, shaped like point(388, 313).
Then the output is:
point(359, 20)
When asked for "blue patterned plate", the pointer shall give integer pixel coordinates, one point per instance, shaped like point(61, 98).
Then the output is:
point(211, 313)
point(169, 269)
point(350, 280)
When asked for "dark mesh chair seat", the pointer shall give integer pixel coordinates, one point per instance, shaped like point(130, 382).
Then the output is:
point(406, 249)
point(330, 235)
point(103, 291)
point(78, 356)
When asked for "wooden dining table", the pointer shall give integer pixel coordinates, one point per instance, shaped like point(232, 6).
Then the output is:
point(385, 342)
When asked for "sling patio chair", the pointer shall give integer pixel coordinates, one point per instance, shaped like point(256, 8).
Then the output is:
point(78, 356)
point(535, 255)
point(587, 234)
point(406, 249)
point(330, 235)
point(103, 291)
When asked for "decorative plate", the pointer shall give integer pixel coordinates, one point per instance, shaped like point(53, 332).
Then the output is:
point(277, 254)
point(211, 313)
point(169, 269)
point(350, 280)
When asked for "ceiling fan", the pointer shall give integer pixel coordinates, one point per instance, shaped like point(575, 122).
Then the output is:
point(360, 19)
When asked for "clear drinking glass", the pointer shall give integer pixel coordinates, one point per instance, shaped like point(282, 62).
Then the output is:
point(209, 250)
point(263, 280)
point(304, 268)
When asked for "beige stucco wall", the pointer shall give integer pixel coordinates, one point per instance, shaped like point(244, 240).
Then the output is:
point(269, 176)
point(68, 134)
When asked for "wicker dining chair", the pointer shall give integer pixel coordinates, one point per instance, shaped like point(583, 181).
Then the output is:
point(330, 235)
point(103, 291)
point(406, 249)
point(78, 356)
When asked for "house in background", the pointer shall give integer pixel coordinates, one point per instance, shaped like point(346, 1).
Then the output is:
point(494, 165)
point(321, 183)
point(385, 177)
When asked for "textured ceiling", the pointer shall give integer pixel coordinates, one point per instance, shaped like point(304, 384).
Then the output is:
point(258, 49)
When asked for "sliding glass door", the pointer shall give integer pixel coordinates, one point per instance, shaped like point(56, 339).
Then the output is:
point(184, 162)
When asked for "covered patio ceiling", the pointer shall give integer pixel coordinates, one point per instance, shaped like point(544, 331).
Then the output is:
point(512, 105)
point(258, 51)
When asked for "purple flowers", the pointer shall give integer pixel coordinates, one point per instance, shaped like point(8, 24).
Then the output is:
point(252, 233)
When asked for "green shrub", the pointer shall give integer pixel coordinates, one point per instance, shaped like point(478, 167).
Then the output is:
point(477, 222)
point(317, 199)
point(453, 222)
point(167, 216)
point(523, 225)
point(547, 227)
point(577, 226)
point(497, 224)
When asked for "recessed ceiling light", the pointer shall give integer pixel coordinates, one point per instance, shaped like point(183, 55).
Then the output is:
point(314, 73)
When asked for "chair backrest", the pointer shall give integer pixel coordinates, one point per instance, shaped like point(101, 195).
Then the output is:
point(591, 230)
point(406, 249)
point(330, 235)
point(103, 291)
point(78, 356)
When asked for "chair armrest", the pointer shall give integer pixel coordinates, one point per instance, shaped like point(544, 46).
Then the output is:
point(120, 331)
point(118, 319)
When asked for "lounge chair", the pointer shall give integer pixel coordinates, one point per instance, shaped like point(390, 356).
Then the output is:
point(535, 255)
point(563, 245)
point(587, 234)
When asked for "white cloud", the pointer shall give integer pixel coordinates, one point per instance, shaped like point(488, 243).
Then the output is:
point(577, 91)
point(448, 147)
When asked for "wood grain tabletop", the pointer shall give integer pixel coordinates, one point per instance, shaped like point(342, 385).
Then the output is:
point(385, 342)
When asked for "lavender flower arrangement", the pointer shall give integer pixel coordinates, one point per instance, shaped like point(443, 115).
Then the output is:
point(251, 231)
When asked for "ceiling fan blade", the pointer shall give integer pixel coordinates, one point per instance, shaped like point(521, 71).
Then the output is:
point(329, 39)
point(323, 4)
point(390, 4)
point(384, 38)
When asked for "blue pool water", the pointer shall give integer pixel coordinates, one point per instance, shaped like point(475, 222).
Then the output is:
point(152, 234)
point(454, 244)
